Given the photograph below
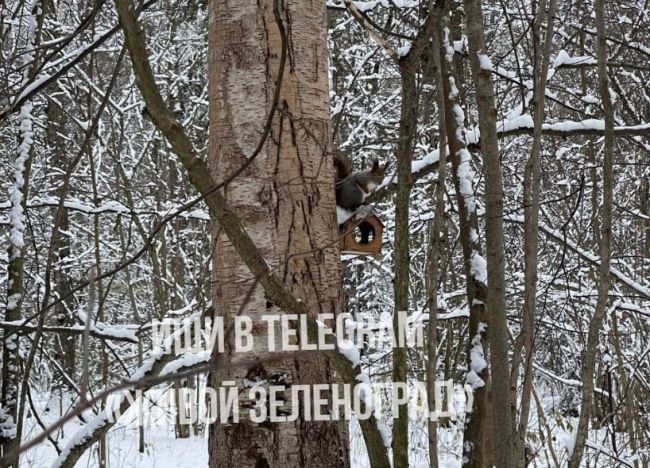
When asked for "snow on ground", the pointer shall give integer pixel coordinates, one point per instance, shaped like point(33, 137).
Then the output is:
point(162, 449)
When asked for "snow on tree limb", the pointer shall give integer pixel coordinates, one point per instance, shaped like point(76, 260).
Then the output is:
point(85, 437)
point(560, 238)
point(523, 125)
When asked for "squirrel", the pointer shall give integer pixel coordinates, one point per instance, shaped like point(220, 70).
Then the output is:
point(352, 188)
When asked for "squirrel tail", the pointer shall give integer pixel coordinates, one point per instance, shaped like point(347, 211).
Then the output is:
point(343, 167)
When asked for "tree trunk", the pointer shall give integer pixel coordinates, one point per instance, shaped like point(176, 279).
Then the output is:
point(66, 352)
point(477, 436)
point(408, 119)
point(589, 357)
point(285, 200)
point(11, 360)
point(10, 410)
point(436, 244)
point(495, 252)
point(532, 187)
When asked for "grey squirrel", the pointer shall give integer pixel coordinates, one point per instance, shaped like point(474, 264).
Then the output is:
point(352, 188)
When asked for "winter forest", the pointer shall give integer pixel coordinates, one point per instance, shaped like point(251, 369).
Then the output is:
point(220, 218)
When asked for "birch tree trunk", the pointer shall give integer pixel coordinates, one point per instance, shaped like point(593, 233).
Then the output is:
point(285, 200)
point(589, 357)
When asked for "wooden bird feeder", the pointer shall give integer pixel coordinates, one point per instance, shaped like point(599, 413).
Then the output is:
point(364, 237)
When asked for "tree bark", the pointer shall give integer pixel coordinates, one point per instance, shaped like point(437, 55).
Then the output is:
point(408, 120)
point(285, 201)
point(497, 332)
point(436, 243)
point(277, 292)
point(12, 362)
point(589, 357)
point(477, 435)
point(532, 187)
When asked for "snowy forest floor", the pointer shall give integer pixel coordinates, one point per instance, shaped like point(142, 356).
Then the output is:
point(164, 450)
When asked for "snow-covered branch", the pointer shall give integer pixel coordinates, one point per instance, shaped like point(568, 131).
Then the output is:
point(560, 238)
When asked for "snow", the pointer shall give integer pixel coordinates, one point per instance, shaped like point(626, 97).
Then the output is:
point(451, 315)
point(385, 434)
point(522, 121)
point(567, 439)
point(453, 90)
point(13, 300)
point(7, 425)
point(432, 158)
point(466, 179)
point(342, 215)
point(404, 50)
point(449, 50)
point(485, 63)
point(362, 377)
point(80, 437)
point(187, 360)
point(477, 360)
point(416, 166)
point(460, 46)
point(479, 268)
point(565, 126)
point(569, 125)
point(17, 216)
point(162, 448)
point(473, 380)
point(633, 308)
point(365, 6)
point(459, 117)
point(365, 391)
point(348, 349)
point(10, 343)
point(108, 414)
point(563, 58)
point(128, 332)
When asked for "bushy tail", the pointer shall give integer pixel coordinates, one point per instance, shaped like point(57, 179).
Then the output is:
point(343, 167)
